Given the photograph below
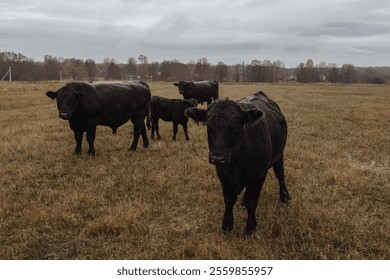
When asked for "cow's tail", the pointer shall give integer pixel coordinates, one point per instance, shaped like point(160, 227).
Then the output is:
point(148, 118)
point(148, 114)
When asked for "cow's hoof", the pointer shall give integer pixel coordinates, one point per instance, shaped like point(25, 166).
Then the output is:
point(250, 230)
point(285, 197)
point(227, 229)
point(227, 232)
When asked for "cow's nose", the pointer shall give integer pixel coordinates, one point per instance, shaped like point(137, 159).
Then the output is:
point(217, 158)
point(64, 116)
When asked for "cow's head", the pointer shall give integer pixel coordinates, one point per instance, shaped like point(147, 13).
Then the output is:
point(190, 103)
point(225, 121)
point(67, 101)
point(183, 86)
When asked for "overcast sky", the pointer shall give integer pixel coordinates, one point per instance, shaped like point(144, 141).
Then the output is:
point(334, 31)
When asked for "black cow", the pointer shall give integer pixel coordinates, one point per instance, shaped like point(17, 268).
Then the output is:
point(170, 110)
point(245, 139)
point(87, 105)
point(204, 91)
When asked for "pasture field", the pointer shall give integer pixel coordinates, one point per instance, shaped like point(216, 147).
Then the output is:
point(165, 202)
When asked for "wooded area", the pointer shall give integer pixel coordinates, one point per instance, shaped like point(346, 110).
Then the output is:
point(58, 68)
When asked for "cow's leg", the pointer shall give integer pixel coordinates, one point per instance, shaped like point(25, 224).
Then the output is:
point(186, 130)
point(175, 129)
point(78, 135)
point(279, 173)
point(157, 130)
point(251, 199)
point(144, 136)
point(91, 133)
point(137, 124)
point(153, 129)
point(230, 198)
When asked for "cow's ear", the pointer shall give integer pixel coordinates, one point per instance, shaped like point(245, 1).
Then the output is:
point(176, 84)
point(79, 95)
point(251, 115)
point(51, 94)
point(198, 115)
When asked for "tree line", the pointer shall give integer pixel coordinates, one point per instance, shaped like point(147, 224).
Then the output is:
point(58, 68)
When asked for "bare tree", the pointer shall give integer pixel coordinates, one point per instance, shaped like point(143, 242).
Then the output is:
point(74, 68)
point(114, 72)
point(238, 73)
point(221, 72)
point(311, 72)
point(143, 66)
point(253, 71)
point(52, 67)
point(307, 73)
point(348, 74)
point(174, 70)
point(202, 69)
point(334, 74)
point(91, 69)
point(131, 68)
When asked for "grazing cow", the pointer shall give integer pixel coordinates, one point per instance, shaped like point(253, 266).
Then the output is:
point(245, 139)
point(204, 91)
point(170, 110)
point(87, 105)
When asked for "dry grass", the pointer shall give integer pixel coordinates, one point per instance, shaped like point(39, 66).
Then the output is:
point(165, 202)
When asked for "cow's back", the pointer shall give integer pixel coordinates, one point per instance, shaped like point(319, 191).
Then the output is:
point(270, 131)
point(203, 91)
point(270, 108)
point(114, 104)
point(161, 107)
point(131, 95)
point(167, 109)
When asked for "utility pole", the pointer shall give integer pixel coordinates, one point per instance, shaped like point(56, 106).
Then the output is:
point(9, 75)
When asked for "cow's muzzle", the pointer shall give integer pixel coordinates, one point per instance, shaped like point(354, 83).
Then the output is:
point(217, 158)
point(64, 116)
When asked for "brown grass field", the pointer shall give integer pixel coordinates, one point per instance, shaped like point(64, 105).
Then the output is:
point(165, 202)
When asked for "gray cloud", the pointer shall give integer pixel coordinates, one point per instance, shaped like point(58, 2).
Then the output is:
point(340, 31)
